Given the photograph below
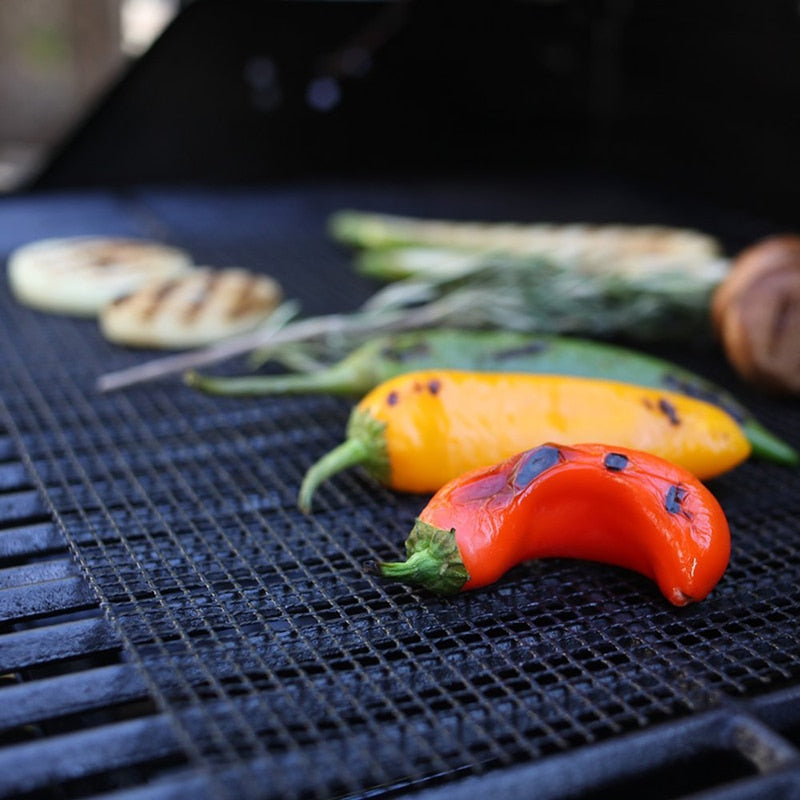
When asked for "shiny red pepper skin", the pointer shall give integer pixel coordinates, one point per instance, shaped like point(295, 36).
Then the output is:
point(594, 502)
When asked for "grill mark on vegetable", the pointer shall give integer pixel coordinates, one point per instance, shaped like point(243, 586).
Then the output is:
point(698, 392)
point(159, 298)
point(674, 499)
point(615, 462)
point(122, 299)
point(107, 258)
point(538, 460)
point(669, 411)
point(194, 308)
point(247, 300)
point(114, 256)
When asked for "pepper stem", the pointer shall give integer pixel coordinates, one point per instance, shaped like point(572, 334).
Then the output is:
point(365, 445)
point(349, 453)
point(334, 380)
point(434, 561)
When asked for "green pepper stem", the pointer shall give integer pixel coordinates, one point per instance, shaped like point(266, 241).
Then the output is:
point(365, 445)
point(434, 561)
point(768, 446)
point(350, 453)
point(334, 380)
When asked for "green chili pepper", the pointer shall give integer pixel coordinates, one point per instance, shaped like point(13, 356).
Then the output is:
point(387, 356)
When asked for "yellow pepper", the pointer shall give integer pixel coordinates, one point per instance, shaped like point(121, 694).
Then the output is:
point(417, 431)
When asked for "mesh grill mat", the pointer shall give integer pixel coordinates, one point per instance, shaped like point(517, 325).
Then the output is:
point(279, 666)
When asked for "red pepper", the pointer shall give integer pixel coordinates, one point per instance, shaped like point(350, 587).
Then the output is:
point(608, 504)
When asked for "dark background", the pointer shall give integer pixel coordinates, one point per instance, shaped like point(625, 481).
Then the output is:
point(696, 96)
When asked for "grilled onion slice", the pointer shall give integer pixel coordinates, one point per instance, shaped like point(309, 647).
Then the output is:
point(191, 310)
point(79, 275)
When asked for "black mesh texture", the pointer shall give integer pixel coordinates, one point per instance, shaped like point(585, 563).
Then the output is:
point(286, 667)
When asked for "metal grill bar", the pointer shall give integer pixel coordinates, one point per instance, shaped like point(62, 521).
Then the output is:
point(30, 541)
point(56, 569)
point(12, 475)
point(614, 768)
point(65, 695)
point(67, 640)
point(25, 602)
point(18, 507)
point(59, 759)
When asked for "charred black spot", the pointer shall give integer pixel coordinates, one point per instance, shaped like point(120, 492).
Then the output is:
point(535, 462)
point(675, 496)
point(392, 398)
point(402, 354)
point(669, 411)
point(616, 462)
point(700, 392)
point(523, 350)
point(434, 386)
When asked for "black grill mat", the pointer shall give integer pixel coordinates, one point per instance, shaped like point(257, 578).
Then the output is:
point(283, 666)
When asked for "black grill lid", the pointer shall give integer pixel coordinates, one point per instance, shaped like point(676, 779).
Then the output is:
point(171, 623)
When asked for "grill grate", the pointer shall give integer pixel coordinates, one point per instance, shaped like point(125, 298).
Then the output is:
point(205, 636)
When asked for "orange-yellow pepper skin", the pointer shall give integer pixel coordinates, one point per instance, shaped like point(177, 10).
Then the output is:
point(419, 430)
point(607, 504)
point(441, 423)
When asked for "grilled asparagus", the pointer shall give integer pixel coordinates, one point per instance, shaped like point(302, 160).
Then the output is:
point(621, 249)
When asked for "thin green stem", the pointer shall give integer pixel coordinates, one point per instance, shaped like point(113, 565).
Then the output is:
point(434, 561)
point(349, 453)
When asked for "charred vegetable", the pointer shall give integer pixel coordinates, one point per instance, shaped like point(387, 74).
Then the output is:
point(643, 282)
point(418, 431)
point(386, 357)
point(626, 248)
point(590, 501)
